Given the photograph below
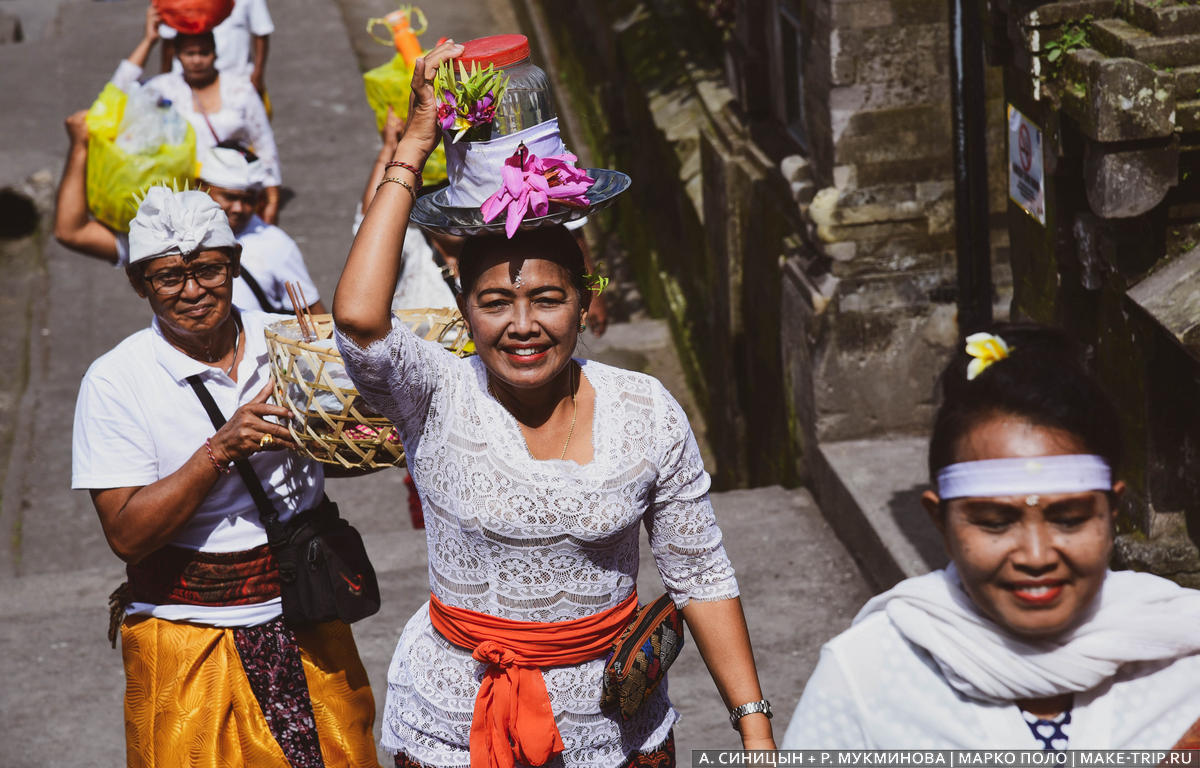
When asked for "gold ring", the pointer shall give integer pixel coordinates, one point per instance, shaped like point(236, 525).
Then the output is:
point(265, 440)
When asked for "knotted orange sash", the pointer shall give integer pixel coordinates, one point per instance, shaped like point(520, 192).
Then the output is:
point(513, 720)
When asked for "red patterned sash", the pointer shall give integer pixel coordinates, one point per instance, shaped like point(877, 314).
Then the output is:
point(180, 575)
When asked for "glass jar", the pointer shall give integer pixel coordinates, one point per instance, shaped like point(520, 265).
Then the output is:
point(528, 99)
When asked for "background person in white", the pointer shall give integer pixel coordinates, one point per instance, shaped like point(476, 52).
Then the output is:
point(221, 107)
point(243, 41)
point(158, 474)
point(234, 178)
point(1028, 640)
point(268, 254)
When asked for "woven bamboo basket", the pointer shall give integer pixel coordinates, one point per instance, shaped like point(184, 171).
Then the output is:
point(330, 420)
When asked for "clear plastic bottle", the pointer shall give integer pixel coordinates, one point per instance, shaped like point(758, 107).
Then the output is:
point(528, 100)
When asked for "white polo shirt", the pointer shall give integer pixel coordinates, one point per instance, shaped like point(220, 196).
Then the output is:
point(137, 421)
point(273, 258)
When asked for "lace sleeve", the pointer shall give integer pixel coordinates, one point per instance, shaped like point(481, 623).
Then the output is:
point(827, 716)
point(397, 376)
point(683, 529)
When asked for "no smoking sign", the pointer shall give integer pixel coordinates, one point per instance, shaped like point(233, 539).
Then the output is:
point(1026, 180)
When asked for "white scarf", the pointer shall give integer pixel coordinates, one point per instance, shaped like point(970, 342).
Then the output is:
point(1135, 617)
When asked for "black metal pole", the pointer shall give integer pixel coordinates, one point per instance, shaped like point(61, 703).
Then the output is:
point(969, 115)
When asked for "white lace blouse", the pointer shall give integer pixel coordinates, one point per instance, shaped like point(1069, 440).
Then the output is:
point(535, 540)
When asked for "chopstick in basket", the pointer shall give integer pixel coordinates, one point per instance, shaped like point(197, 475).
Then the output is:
point(299, 309)
point(312, 327)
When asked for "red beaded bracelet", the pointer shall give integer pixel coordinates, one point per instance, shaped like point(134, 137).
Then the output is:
point(224, 470)
point(411, 169)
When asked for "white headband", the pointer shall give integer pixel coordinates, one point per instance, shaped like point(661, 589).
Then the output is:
point(169, 223)
point(1013, 477)
point(229, 169)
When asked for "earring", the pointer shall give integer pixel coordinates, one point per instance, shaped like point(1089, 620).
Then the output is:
point(1032, 500)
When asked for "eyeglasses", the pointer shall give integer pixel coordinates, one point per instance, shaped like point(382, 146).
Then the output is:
point(169, 282)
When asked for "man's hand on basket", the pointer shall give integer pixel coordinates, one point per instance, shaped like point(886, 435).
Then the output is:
point(248, 432)
point(421, 130)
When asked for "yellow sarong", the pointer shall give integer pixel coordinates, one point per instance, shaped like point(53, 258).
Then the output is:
point(188, 702)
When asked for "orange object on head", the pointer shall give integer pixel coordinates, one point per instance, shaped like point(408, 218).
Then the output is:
point(403, 36)
point(193, 17)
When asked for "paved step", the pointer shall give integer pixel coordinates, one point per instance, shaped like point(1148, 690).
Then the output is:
point(870, 492)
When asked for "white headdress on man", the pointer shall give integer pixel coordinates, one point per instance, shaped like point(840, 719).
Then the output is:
point(229, 169)
point(169, 223)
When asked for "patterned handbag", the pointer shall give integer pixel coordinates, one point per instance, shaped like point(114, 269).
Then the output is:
point(641, 656)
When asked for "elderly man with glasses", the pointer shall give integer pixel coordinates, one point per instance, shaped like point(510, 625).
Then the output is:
point(212, 670)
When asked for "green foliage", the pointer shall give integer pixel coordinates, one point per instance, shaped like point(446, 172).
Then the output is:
point(596, 283)
point(469, 90)
point(1074, 36)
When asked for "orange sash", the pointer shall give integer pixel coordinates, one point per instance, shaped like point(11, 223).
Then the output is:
point(513, 720)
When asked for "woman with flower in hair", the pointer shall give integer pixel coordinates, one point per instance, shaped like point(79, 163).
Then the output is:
point(536, 472)
point(1026, 640)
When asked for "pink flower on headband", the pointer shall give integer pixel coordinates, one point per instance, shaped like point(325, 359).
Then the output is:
point(530, 183)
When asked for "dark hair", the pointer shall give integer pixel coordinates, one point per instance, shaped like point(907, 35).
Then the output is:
point(1044, 380)
point(183, 38)
point(554, 243)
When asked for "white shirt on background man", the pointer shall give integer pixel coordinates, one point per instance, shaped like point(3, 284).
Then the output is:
point(234, 36)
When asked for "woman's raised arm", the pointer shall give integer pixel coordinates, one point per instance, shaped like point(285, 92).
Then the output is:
point(362, 303)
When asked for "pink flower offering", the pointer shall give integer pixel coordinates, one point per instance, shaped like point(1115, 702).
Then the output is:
point(530, 183)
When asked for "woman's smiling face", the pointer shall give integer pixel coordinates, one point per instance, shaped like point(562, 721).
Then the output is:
point(1032, 563)
point(524, 315)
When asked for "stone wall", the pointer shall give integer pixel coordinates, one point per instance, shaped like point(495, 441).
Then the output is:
point(1117, 262)
point(707, 214)
point(809, 280)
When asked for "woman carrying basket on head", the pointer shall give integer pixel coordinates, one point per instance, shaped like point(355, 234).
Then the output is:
point(214, 675)
point(1027, 640)
point(536, 472)
point(221, 106)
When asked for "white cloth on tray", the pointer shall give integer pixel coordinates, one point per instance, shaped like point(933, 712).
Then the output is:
point(475, 168)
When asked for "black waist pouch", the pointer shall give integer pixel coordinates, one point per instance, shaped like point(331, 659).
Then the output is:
point(324, 572)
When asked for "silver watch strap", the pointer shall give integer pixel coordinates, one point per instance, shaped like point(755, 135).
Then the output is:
point(737, 713)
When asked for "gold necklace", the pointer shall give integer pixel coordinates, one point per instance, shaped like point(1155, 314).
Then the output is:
point(574, 411)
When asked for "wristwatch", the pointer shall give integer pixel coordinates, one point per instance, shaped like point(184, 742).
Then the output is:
point(737, 713)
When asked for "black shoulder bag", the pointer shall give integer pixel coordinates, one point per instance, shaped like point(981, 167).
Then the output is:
point(324, 572)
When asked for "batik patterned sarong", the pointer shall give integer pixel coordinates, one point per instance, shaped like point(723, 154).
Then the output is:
point(199, 696)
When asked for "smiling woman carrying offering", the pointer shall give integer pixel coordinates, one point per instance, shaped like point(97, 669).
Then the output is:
point(536, 472)
point(1027, 640)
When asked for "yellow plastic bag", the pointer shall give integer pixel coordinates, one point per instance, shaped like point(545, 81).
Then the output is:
point(389, 85)
point(115, 178)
